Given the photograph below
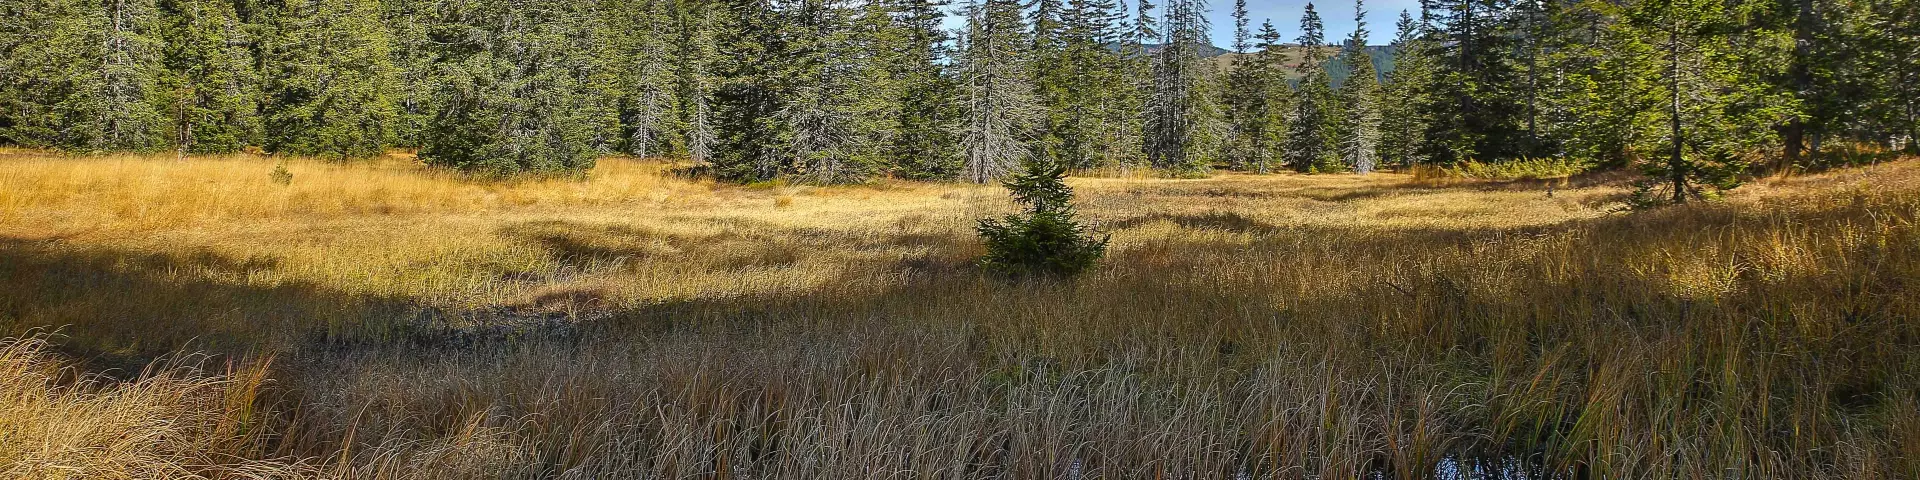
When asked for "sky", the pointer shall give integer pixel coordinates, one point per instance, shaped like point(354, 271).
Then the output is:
point(1338, 17)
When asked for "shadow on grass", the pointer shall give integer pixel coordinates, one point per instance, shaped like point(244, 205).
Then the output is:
point(1438, 316)
point(119, 309)
point(1223, 221)
point(1600, 178)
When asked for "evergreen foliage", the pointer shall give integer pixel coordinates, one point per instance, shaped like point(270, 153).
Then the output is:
point(640, 35)
point(413, 52)
point(839, 91)
point(1476, 113)
point(82, 75)
point(924, 145)
point(750, 91)
point(328, 78)
point(521, 89)
point(1359, 125)
point(1252, 96)
point(1897, 53)
point(210, 88)
point(1715, 108)
point(1309, 145)
point(840, 94)
point(1001, 107)
point(1408, 88)
point(1182, 122)
point(1599, 101)
point(1085, 87)
point(1045, 239)
point(1099, 113)
point(696, 24)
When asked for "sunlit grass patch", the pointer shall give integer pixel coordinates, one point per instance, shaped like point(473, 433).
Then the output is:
point(638, 324)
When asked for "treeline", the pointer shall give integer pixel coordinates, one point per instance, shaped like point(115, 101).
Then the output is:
point(837, 91)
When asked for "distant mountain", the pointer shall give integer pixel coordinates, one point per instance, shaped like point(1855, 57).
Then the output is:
point(1209, 51)
point(1336, 65)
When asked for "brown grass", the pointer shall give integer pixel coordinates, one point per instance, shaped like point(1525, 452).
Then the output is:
point(637, 325)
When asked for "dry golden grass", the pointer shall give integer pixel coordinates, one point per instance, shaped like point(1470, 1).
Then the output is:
point(637, 325)
point(173, 422)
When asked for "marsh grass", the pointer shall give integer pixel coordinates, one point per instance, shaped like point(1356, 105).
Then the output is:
point(637, 325)
point(175, 420)
point(1545, 168)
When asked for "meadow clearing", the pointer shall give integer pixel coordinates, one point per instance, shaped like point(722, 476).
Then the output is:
point(179, 318)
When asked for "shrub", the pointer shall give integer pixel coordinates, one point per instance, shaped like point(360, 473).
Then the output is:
point(280, 175)
point(1046, 239)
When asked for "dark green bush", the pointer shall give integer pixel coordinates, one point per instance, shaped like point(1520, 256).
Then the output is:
point(1046, 239)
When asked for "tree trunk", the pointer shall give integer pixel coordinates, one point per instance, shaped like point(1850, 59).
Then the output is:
point(1913, 129)
point(1794, 133)
point(1533, 83)
point(1676, 166)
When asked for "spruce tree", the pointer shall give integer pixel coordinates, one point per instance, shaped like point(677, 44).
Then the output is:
point(1046, 239)
point(329, 80)
point(1602, 86)
point(1309, 144)
point(1239, 95)
point(839, 96)
point(1536, 34)
point(81, 76)
point(696, 22)
point(751, 88)
point(1899, 53)
point(1272, 61)
point(1714, 109)
point(1058, 135)
point(1086, 88)
point(1360, 101)
point(210, 86)
point(1138, 61)
point(1251, 101)
point(415, 72)
point(1146, 29)
point(1407, 90)
point(1809, 75)
point(1849, 70)
point(1178, 123)
point(1000, 106)
point(1479, 109)
point(130, 70)
point(40, 92)
point(524, 90)
point(924, 146)
point(1240, 34)
point(646, 84)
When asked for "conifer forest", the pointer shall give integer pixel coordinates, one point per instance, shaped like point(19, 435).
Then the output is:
point(959, 239)
point(830, 92)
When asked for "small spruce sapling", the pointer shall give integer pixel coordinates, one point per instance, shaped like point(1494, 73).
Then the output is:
point(1046, 239)
point(280, 174)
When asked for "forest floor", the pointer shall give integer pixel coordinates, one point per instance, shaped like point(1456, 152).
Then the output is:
point(383, 320)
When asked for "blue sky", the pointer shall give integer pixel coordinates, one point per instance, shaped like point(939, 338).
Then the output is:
point(1338, 17)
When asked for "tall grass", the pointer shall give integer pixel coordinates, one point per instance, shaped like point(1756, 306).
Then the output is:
point(1544, 168)
point(174, 421)
point(1280, 326)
